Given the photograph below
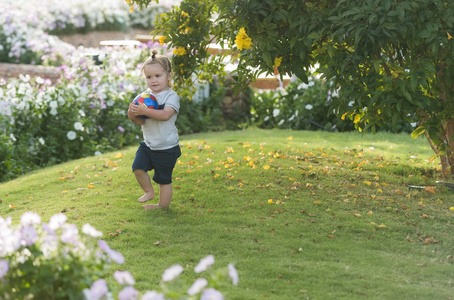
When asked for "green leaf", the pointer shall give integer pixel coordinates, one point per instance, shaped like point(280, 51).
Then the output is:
point(417, 132)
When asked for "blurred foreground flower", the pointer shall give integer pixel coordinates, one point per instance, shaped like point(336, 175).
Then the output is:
point(35, 256)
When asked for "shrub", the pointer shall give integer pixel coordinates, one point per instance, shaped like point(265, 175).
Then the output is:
point(53, 261)
point(300, 107)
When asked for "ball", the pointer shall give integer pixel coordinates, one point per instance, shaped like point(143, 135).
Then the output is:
point(147, 100)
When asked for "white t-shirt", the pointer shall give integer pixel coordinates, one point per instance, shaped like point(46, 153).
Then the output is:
point(162, 135)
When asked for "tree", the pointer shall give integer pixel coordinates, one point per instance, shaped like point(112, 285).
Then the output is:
point(392, 58)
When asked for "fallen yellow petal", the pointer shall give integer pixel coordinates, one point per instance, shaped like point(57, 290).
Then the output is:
point(451, 208)
point(119, 155)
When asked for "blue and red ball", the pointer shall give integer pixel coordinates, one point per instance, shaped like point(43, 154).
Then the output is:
point(147, 100)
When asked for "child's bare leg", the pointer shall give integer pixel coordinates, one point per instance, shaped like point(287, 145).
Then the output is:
point(145, 183)
point(165, 197)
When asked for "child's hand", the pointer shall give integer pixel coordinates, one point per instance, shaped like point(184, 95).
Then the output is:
point(133, 116)
point(137, 110)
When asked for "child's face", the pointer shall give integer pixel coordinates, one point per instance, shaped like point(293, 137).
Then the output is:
point(157, 78)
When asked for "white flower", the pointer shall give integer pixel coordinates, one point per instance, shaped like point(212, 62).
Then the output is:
point(30, 218)
point(233, 274)
point(128, 293)
point(12, 137)
point(41, 141)
point(29, 235)
point(276, 112)
point(39, 80)
point(53, 111)
point(91, 231)
point(71, 135)
point(124, 277)
point(204, 264)
point(197, 286)
point(414, 124)
point(70, 234)
point(172, 273)
point(308, 107)
point(24, 78)
point(281, 122)
point(211, 294)
point(98, 289)
point(57, 221)
point(82, 113)
point(78, 126)
point(153, 295)
point(4, 267)
point(351, 103)
point(53, 104)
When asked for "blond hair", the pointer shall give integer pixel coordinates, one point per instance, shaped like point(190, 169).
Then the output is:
point(164, 61)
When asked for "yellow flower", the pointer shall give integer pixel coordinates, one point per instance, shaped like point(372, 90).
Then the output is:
point(184, 14)
point(449, 36)
point(270, 201)
point(161, 39)
point(242, 40)
point(277, 61)
point(179, 51)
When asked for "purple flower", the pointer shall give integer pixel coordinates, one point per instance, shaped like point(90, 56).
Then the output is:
point(4, 267)
point(197, 286)
point(124, 277)
point(47, 229)
point(29, 235)
point(100, 128)
point(211, 294)
point(233, 274)
point(172, 273)
point(204, 264)
point(30, 218)
point(114, 255)
point(153, 295)
point(128, 293)
point(121, 129)
point(70, 234)
point(98, 289)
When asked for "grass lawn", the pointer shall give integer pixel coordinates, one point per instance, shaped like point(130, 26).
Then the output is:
point(301, 215)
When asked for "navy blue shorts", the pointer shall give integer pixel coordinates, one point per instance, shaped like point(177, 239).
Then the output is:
point(161, 161)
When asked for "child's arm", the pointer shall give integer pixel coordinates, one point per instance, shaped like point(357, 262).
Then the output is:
point(133, 117)
point(157, 114)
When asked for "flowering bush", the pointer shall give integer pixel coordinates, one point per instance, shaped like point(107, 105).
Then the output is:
point(299, 106)
point(82, 114)
point(53, 261)
point(27, 33)
point(304, 106)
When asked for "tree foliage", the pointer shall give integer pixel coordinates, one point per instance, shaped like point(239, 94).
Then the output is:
point(393, 58)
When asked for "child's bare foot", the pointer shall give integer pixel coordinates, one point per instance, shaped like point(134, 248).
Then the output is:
point(151, 206)
point(146, 197)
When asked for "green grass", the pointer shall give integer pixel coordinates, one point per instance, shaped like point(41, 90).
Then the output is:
point(322, 241)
